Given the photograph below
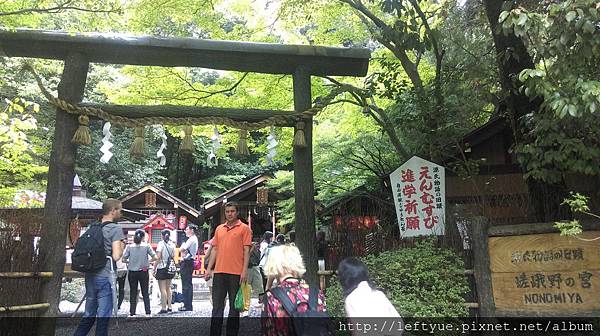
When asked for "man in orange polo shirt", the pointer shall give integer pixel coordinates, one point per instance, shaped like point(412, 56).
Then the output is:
point(228, 266)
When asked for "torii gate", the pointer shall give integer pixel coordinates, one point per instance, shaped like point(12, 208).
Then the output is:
point(78, 50)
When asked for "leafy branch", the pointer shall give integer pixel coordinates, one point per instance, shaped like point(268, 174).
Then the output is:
point(61, 7)
point(578, 204)
point(365, 99)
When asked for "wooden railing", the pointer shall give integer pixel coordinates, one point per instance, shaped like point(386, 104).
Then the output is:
point(21, 275)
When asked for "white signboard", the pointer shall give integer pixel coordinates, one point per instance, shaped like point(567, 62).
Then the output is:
point(419, 189)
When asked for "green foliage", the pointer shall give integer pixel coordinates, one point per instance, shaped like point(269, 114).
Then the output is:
point(322, 22)
point(563, 39)
point(569, 228)
point(72, 15)
point(564, 42)
point(578, 204)
point(122, 174)
point(18, 164)
point(421, 281)
point(283, 185)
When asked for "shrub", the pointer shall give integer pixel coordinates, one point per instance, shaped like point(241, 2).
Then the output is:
point(422, 282)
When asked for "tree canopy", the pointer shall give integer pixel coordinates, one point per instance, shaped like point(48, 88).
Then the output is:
point(432, 78)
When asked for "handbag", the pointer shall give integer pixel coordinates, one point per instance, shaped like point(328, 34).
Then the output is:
point(197, 265)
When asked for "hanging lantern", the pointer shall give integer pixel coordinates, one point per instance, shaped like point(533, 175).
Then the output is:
point(337, 221)
point(353, 223)
point(182, 222)
point(369, 222)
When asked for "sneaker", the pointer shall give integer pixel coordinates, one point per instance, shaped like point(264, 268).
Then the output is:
point(169, 310)
point(131, 316)
point(148, 315)
point(163, 311)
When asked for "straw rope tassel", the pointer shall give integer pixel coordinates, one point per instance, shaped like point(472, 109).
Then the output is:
point(242, 145)
point(299, 139)
point(82, 135)
point(187, 144)
point(137, 148)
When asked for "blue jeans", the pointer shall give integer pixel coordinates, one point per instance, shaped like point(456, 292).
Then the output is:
point(98, 305)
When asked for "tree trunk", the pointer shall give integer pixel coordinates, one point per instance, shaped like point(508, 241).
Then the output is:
point(304, 182)
point(512, 57)
point(171, 164)
point(186, 177)
point(61, 170)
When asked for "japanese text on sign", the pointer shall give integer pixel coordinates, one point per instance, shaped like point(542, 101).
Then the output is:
point(419, 196)
point(545, 272)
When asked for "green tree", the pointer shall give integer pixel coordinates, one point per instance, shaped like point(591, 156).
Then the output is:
point(18, 165)
point(562, 39)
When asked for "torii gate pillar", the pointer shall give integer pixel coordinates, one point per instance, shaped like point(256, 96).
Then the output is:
point(303, 179)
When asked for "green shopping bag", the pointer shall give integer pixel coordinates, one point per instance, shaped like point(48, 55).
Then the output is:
point(242, 298)
point(239, 300)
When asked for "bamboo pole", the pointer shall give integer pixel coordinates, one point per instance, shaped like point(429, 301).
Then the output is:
point(36, 306)
point(18, 275)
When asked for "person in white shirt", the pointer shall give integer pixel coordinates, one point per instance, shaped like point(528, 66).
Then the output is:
point(362, 299)
point(188, 249)
point(264, 244)
point(165, 252)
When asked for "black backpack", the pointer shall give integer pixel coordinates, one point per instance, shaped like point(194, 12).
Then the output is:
point(309, 323)
point(89, 254)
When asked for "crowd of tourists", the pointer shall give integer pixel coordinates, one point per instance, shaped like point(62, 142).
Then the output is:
point(273, 268)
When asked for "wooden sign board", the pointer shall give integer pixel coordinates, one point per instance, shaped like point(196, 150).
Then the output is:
point(419, 189)
point(546, 272)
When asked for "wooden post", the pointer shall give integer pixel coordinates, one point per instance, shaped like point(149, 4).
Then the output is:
point(61, 170)
point(303, 180)
point(481, 268)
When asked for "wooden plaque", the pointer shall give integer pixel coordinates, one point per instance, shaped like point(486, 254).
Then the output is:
point(546, 272)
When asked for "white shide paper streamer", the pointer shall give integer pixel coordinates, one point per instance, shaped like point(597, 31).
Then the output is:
point(106, 144)
point(163, 146)
point(271, 145)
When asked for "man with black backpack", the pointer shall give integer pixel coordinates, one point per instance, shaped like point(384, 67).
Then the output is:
point(95, 254)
